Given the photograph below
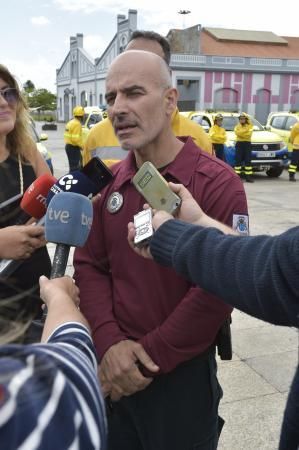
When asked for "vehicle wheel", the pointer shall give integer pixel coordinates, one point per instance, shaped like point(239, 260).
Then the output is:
point(274, 172)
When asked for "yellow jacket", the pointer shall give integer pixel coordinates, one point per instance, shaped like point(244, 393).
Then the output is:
point(243, 132)
point(101, 138)
point(294, 136)
point(73, 133)
point(217, 134)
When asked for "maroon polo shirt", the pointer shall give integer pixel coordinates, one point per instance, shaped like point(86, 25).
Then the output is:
point(125, 296)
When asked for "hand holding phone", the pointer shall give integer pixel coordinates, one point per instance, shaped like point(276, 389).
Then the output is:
point(154, 188)
point(143, 228)
point(98, 172)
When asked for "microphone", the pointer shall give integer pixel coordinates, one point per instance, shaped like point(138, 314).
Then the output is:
point(68, 223)
point(33, 204)
point(73, 182)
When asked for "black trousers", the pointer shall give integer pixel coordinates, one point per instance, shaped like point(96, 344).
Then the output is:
point(243, 153)
point(177, 411)
point(294, 161)
point(219, 151)
point(74, 157)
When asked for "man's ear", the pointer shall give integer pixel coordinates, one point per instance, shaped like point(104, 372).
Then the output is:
point(171, 98)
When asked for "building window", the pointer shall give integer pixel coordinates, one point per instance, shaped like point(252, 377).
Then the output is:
point(83, 100)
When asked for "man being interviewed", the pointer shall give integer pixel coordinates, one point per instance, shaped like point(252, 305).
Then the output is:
point(101, 140)
point(154, 331)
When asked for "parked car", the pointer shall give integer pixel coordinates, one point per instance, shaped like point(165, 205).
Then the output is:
point(281, 124)
point(92, 115)
point(269, 151)
point(39, 139)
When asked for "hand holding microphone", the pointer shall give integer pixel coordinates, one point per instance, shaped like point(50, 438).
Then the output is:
point(20, 241)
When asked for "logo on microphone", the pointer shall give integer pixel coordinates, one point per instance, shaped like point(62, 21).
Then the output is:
point(68, 181)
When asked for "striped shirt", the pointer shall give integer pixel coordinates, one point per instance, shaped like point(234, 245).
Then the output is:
point(49, 394)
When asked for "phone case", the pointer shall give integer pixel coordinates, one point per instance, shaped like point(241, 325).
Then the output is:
point(154, 188)
point(97, 172)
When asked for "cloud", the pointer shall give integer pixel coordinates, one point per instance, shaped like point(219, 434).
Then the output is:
point(40, 20)
point(94, 44)
point(39, 71)
point(154, 15)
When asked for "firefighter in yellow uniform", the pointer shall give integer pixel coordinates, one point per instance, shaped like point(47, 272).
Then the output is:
point(101, 140)
point(294, 140)
point(217, 135)
point(243, 131)
point(73, 139)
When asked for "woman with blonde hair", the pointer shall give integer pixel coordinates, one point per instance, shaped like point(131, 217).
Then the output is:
point(20, 164)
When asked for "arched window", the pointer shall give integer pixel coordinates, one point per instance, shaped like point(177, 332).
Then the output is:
point(295, 101)
point(226, 99)
point(262, 108)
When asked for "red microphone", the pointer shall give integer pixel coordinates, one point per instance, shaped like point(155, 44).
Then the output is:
point(34, 205)
point(33, 202)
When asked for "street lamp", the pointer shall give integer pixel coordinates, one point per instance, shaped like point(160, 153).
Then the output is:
point(183, 13)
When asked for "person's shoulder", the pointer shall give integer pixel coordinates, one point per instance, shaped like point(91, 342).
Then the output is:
point(190, 126)
point(101, 134)
point(101, 127)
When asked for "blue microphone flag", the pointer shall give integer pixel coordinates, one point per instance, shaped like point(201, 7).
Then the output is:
point(68, 219)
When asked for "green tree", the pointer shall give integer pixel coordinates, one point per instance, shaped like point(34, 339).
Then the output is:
point(42, 99)
point(28, 86)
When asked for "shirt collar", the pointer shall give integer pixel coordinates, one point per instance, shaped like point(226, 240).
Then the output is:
point(181, 168)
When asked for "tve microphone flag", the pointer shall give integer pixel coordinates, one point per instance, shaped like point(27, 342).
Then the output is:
point(75, 182)
point(68, 222)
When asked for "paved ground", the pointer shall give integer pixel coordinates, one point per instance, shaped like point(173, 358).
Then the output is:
point(257, 380)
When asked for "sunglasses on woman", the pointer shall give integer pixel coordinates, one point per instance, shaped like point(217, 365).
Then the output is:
point(10, 95)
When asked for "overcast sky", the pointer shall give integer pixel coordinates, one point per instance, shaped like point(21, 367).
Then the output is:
point(35, 33)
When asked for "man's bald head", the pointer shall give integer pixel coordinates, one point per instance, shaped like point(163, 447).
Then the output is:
point(145, 62)
point(140, 98)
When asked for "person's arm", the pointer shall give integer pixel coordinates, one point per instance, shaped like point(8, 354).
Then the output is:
point(212, 132)
point(258, 274)
point(20, 241)
point(89, 145)
point(76, 131)
point(58, 376)
point(268, 286)
point(39, 164)
point(294, 132)
point(61, 297)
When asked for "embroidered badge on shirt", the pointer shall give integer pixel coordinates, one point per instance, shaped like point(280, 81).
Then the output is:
point(115, 202)
point(241, 223)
